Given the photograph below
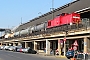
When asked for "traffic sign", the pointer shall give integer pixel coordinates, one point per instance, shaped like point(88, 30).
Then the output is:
point(75, 47)
point(64, 39)
point(75, 43)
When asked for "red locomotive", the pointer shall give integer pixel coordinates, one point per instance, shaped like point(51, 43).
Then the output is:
point(64, 19)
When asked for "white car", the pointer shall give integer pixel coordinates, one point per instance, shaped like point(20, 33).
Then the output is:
point(11, 48)
point(6, 47)
point(2, 47)
point(25, 50)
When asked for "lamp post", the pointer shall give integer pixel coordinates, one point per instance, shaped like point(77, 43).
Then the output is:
point(52, 9)
point(21, 20)
point(65, 42)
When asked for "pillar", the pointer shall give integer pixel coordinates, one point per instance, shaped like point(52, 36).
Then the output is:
point(10, 44)
point(88, 45)
point(19, 43)
point(14, 44)
point(85, 44)
point(6, 44)
point(59, 47)
point(26, 45)
point(47, 47)
point(35, 45)
point(1, 43)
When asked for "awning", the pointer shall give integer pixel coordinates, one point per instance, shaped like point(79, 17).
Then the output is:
point(83, 10)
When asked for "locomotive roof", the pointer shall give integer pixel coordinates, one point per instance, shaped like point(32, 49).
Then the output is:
point(68, 8)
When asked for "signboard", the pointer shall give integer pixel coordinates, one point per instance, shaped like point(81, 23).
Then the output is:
point(75, 43)
point(75, 47)
point(60, 42)
point(64, 39)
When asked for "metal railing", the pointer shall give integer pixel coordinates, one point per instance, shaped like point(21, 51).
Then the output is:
point(82, 56)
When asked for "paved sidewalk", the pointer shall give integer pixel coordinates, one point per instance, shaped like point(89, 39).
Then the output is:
point(54, 56)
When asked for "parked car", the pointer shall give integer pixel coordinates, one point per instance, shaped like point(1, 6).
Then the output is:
point(70, 54)
point(2, 47)
point(32, 51)
point(25, 50)
point(18, 48)
point(6, 47)
point(29, 50)
point(11, 48)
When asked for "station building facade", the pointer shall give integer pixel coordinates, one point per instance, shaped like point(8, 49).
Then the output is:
point(55, 41)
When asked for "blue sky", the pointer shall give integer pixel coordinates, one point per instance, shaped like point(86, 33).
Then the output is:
point(11, 11)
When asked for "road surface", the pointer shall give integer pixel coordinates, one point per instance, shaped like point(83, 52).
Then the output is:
point(8, 55)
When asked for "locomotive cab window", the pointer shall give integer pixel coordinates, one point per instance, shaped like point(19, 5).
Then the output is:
point(63, 14)
point(49, 23)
